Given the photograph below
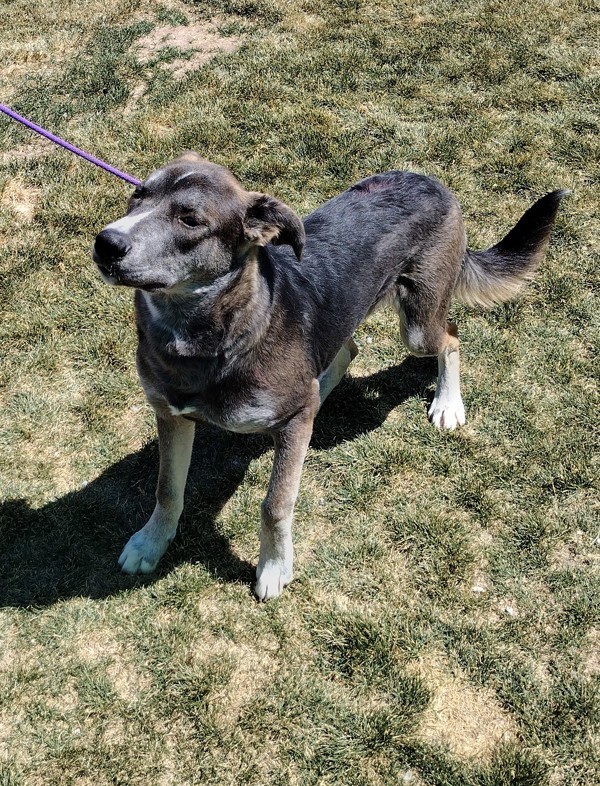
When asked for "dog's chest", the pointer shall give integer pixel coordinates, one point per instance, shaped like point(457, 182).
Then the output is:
point(242, 395)
point(244, 413)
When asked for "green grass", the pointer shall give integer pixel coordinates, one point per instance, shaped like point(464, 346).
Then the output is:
point(443, 625)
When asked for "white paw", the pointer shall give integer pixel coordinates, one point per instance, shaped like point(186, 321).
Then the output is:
point(271, 578)
point(143, 551)
point(447, 413)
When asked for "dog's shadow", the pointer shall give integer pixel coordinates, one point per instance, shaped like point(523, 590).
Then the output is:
point(69, 547)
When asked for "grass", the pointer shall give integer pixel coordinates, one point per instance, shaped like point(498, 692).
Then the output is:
point(443, 626)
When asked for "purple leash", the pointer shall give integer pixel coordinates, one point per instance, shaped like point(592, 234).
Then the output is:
point(68, 146)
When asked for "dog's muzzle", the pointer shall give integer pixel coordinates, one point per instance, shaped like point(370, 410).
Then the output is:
point(110, 248)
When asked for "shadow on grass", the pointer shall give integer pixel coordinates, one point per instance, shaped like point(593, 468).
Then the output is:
point(69, 548)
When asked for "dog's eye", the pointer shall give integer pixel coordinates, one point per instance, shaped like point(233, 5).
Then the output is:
point(190, 221)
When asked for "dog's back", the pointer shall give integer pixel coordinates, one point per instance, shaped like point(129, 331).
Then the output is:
point(359, 245)
point(390, 236)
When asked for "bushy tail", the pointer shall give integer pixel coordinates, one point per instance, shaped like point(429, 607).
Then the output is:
point(500, 272)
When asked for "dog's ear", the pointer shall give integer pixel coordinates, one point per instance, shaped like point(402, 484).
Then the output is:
point(268, 220)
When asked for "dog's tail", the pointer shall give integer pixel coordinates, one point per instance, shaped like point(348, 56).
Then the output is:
point(500, 272)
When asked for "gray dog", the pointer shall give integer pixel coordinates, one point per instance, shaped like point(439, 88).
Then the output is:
point(245, 315)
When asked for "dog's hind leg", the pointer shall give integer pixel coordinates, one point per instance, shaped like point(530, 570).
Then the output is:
point(447, 410)
point(423, 295)
point(336, 370)
point(275, 563)
point(144, 549)
point(430, 338)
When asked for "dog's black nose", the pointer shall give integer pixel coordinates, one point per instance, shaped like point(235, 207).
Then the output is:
point(111, 245)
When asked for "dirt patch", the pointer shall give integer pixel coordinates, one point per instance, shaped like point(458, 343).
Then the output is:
point(21, 199)
point(579, 551)
point(9, 635)
point(101, 648)
point(135, 426)
point(203, 41)
point(591, 657)
point(299, 22)
point(22, 58)
point(34, 149)
point(184, 49)
point(196, 44)
point(9, 721)
point(42, 457)
point(465, 719)
point(252, 670)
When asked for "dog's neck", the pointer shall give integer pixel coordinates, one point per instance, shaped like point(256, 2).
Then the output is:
point(208, 320)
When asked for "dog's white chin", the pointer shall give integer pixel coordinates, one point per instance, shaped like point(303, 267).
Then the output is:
point(108, 279)
point(116, 282)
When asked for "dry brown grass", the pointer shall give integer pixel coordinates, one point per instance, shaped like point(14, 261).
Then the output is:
point(20, 199)
point(467, 721)
point(411, 545)
point(203, 41)
point(195, 44)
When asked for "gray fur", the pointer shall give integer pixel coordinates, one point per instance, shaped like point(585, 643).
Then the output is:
point(245, 314)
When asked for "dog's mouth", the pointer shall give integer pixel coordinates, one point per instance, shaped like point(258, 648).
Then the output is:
point(151, 287)
point(107, 271)
point(111, 275)
point(105, 267)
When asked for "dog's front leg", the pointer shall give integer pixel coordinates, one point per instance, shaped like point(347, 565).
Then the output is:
point(146, 547)
point(275, 564)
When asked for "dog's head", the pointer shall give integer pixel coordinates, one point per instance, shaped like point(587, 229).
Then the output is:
point(191, 222)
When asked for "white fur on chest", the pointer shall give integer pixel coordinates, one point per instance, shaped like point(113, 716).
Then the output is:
point(175, 411)
point(257, 414)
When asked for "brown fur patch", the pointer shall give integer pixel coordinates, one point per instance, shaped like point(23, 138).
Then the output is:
point(452, 329)
point(235, 303)
point(423, 308)
point(451, 343)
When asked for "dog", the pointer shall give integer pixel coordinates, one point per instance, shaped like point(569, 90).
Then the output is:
point(245, 314)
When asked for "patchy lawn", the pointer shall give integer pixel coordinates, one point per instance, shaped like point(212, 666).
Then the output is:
point(443, 626)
